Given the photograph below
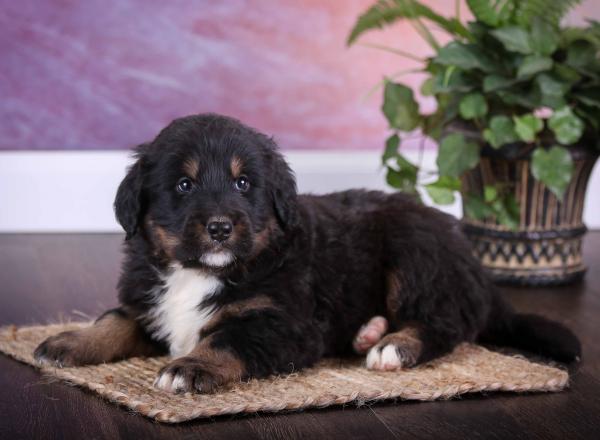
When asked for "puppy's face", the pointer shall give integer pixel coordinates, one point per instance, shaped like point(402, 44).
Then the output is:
point(208, 192)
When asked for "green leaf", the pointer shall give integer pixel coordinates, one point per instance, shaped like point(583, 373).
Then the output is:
point(566, 73)
point(501, 131)
point(442, 191)
point(451, 80)
point(391, 148)
point(456, 155)
point(527, 126)
point(553, 167)
point(476, 208)
point(512, 206)
point(553, 90)
point(514, 39)
point(440, 196)
point(567, 126)
point(570, 34)
point(490, 193)
point(404, 177)
point(464, 56)
point(400, 107)
point(427, 87)
point(473, 106)
point(581, 54)
point(530, 99)
point(589, 96)
point(502, 206)
point(544, 37)
point(483, 11)
point(533, 64)
point(503, 215)
point(495, 82)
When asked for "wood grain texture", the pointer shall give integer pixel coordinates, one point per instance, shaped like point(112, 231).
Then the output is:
point(43, 277)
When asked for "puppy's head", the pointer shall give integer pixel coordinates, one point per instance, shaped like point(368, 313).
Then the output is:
point(207, 192)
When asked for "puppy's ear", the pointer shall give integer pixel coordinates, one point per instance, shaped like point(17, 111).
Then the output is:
point(128, 202)
point(283, 191)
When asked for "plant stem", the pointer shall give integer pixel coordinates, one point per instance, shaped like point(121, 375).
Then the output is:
point(383, 81)
point(393, 50)
point(425, 33)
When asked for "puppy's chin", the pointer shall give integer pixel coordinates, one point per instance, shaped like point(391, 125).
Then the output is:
point(217, 259)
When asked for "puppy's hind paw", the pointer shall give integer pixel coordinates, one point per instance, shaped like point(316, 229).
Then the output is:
point(370, 334)
point(385, 358)
point(396, 350)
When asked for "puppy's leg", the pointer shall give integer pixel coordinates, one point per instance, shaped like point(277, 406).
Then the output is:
point(253, 344)
point(112, 337)
point(370, 334)
point(202, 370)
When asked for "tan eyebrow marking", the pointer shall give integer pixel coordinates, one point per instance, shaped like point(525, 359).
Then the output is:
point(191, 167)
point(236, 166)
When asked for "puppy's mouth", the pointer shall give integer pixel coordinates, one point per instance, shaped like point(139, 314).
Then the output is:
point(217, 258)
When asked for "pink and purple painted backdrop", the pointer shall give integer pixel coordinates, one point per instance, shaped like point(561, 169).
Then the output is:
point(101, 74)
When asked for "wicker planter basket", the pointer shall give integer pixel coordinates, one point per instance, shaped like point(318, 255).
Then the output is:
point(546, 248)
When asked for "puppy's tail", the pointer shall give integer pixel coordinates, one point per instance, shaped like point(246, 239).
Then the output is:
point(529, 332)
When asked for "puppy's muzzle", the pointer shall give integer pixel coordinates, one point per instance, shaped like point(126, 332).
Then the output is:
point(219, 229)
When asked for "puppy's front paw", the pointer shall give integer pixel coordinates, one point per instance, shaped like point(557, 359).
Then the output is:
point(187, 374)
point(395, 351)
point(62, 350)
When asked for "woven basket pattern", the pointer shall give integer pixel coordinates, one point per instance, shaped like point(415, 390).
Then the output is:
point(546, 247)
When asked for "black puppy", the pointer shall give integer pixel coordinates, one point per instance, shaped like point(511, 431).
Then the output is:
point(236, 276)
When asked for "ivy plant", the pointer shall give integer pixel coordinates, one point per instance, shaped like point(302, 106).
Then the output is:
point(511, 78)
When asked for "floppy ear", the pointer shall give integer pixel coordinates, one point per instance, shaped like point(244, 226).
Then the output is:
point(128, 202)
point(283, 191)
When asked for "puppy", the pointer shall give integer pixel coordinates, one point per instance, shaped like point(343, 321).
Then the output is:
point(236, 276)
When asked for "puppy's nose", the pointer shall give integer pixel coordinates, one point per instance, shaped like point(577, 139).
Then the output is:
point(219, 230)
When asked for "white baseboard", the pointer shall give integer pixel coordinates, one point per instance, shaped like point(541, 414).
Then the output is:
point(66, 191)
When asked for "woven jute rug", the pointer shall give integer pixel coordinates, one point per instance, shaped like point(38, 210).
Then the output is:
point(469, 369)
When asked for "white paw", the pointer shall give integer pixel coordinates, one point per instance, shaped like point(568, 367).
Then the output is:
point(384, 359)
point(167, 382)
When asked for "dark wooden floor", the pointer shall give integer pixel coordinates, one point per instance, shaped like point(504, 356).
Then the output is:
point(44, 277)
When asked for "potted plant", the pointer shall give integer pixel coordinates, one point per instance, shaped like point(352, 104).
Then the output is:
point(517, 123)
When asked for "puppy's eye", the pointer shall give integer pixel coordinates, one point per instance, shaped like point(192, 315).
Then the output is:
point(242, 184)
point(184, 185)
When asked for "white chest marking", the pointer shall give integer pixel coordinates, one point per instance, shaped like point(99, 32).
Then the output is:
point(177, 317)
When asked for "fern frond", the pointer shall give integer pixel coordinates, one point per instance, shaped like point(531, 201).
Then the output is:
point(385, 12)
point(552, 11)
